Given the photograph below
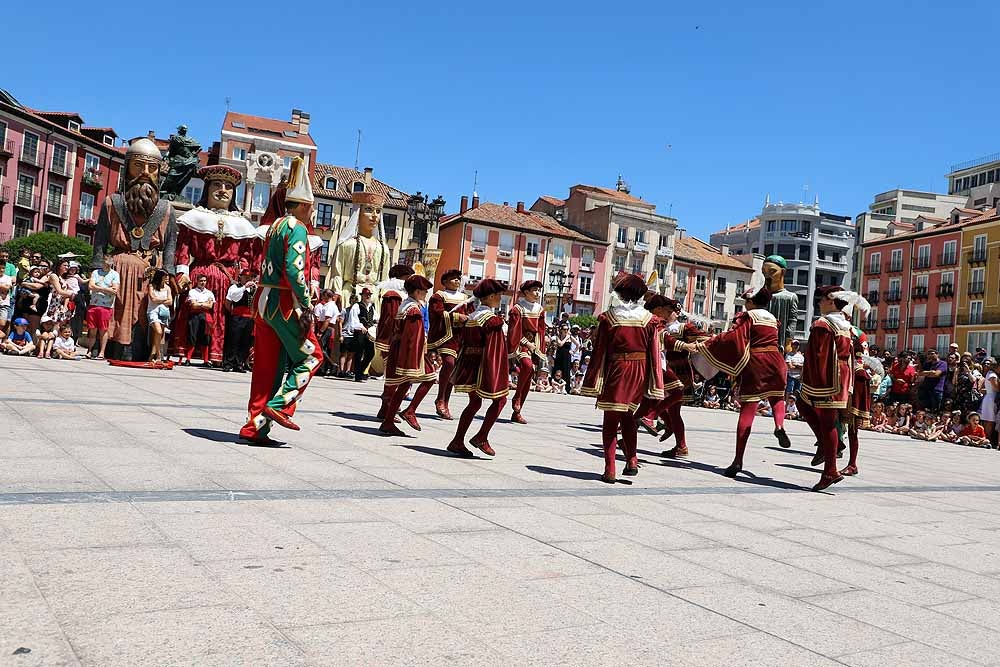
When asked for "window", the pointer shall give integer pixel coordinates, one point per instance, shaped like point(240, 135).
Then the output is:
point(893, 314)
point(286, 162)
point(896, 262)
point(700, 281)
point(92, 163)
point(978, 279)
point(240, 154)
point(241, 191)
point(942, 343)
point(30, 148)
point(330, 183)
point(640, 236)
point(324, 215)
point(923, 256)
point(921, 281)
point(479, 239)
point(740, 287)
point(261, 195)
point(682, 279)
point(622, 235)
point(772, 225)
point(476, 270)
point(54, 202)
point(894, 285)
point(875, 262)
point(720, 285)
point(636, 266)
point(975, 312)
point(619, 263)
point(872, 286)
point(664, 241)
point(558, 253)
point(587, 258)
point(503, 273)
point(109, 140)
point(699, 305)
point(358, 186)
point(58, 158)
point(324, 256)
point(389, 221)
point(3, 134)
point(86, 206)
point(506, 243)
point(585, 285)
point(661, 270)
point(789, 225)
point(25, 190)
point(948, 278)
point(530, 274)
point(979, 246)
point(193, 193)
point(803, 277)
point(890, 343)
point(22, 226)
point(531, 249)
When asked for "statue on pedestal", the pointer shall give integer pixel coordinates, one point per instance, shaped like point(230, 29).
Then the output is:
point(361, 257)
point(784, 305)
point(142, 232)
point(182, 163)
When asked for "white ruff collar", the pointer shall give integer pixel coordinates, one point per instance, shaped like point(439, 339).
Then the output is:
point(837, 319)
point(393, 284)
point(229, 223)
point(409, 301)
point(629, 310)
point(530, 308)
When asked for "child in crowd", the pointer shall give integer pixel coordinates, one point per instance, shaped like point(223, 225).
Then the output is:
point(71, 282)
point(973, 435)
point(712, 398)
point(19, 341)
point(45, 337)
point(64, 347)
point(6, 307)
point(27, 295)
point(954, 429)
point(577, 383)
point(542, 382)
point(791, 409)
point(764, 408)
point(558, 383)
point(902, 423)
point(936, 429)
point(919, 426)
point(878, 421)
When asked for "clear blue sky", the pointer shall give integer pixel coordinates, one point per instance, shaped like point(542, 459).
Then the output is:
point(704, 107)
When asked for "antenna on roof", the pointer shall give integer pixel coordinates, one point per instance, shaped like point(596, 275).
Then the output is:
point(475, 183)
point(357, 151)
point(228, 100)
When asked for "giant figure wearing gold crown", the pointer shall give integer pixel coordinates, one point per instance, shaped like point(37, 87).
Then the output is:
point(361, 257)
point(286, 351)
point(142, 232)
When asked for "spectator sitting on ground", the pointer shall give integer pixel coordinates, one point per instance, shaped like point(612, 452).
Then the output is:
point(919, 427)
point(558, 383)
point(6, 302)
point(939, 428)
point(903, 418)
point(712, 398)
point(45, 337)
point(955, 428)
point(764, 408)
point(64, 347)
point(973, 435)
point(791, 409)
point(878, 420)
point(542, 382)
point(19, 341)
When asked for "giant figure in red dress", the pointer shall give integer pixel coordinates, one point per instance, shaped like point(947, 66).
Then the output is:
point(526, 341)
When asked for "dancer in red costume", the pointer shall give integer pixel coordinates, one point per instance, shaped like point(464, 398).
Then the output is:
point(481, 370)
point(443, 307)
point(624, 369)
point(666, 311)
point(679, 361)
point(214, 240)
point(749, 352)
point(827, 380)
point(861, 398)
point(525, 341)
point(393, 291)
point(407, 361)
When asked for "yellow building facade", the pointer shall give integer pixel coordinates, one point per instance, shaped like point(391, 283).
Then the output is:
point(978, 323)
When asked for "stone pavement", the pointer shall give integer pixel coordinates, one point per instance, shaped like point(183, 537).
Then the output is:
point(134, 530)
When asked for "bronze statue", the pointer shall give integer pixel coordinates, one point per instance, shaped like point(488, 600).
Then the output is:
point(182, 163)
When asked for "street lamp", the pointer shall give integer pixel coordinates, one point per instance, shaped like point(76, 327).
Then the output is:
point(559, 281)
point(423, 214)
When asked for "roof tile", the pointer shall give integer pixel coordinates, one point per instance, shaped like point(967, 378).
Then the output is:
point(506, 216)
point(267, 128)
point(695, 250)
point(345, 176)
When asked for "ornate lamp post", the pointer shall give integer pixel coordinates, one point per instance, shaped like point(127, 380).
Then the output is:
point(423, 214)
point(559, 281)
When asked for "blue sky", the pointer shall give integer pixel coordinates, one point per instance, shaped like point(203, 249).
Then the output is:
point(704, 107)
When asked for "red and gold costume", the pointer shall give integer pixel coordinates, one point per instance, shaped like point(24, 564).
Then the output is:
point(625, 368)
point(749, 352)
point(861, 396)
point(525, 343)
point(445, 337)
point(392, 296)
point(407, 361)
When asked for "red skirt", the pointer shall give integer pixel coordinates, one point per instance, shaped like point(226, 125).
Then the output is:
point(861, 398)
point(474, 374)
point(764, 376)
point(624, 385)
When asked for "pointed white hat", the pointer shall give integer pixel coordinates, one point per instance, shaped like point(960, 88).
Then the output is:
point(299, 185)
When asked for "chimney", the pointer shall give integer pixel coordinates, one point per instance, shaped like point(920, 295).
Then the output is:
point(368, 179)
point(506, 203)
point(724, 248)
point(296, 115)
point(679, 234)
point(475, 201)
point(520, 207)
point(465, 204)
point(303, 122)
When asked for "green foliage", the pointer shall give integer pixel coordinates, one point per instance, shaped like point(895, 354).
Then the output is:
point(584, 321)
point(51, 245)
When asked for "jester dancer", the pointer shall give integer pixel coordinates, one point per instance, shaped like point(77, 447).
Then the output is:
point(749, 352)
point(286, 352)
point(827, 379)
point(481, 370)
point(624, 369)
point(392, 292)
point(443, 307)
point(666, 311)
point(525, 338)
point(407, 361)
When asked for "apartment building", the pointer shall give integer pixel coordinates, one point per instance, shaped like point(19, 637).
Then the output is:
point(708, 281)
point(979, 288)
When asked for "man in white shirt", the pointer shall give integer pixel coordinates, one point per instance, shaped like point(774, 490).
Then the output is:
point(794, 361)
point(360, 318)
point(325, 315)
point(202, 303)
point(239, 323)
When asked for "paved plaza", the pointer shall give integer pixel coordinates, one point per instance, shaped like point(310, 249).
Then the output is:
point(135, 530)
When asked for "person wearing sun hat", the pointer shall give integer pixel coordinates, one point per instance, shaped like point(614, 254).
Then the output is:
point(525, 341)
point(625, 368)
point(286, 351)
point(481, 370)
point(446, 310)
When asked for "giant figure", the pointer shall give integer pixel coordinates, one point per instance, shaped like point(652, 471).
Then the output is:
point(784, 304)
point(361, 257)
point(142, 232)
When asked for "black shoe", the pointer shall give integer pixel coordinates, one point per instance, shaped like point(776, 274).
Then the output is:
point(818, 457)
point(358, 380)
point(630, 472)
point(227, 369)
point(732, 470)
point(783, 441)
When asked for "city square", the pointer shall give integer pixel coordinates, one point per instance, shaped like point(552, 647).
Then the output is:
point(137, 530)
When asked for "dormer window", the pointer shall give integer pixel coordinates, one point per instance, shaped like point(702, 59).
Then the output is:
point(359, 186)
point(330, 183)
point(74, 126)
point(109, 140)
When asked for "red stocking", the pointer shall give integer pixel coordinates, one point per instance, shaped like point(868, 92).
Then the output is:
point(525, 374)
point(388, 391)
point(676, 424)
point(629, 440)
point(418, 396)
point(609, 433)
point(491, 418)
point(465, 421)
point(747, 412)
point(444, 378)
point(852, 436)
point(823, 423)
point(778, 410)
point(392, 407)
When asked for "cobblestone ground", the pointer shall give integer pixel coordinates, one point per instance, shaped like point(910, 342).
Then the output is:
point(135, 530)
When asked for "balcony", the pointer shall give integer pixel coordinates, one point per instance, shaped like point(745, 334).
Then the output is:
point(946, 290)
point(583, 267)
point(720, 315)
point(700, 291)
point(6, 149)
point(976, 256)
point(640, 246)
point(919, 292)
point(505, 253)
point(619, 245)
point(921, 262)
point(991, 316)
point(896, 267)
point(893, 296)
point(977, 288)
point(4, 194)
point(92, 179)
point(60, 168)
point(831, 264)
point(947, 259)
point(26, 200)
point(664, 251)
point(873, 270)
point(558, 261)
point(918, 322)
point(890, 325)
point(870, 324)
point(478, 249)
point(531, 258)
point(946, 321)
point(873, 298)
point(57, 209)
point(34, 159)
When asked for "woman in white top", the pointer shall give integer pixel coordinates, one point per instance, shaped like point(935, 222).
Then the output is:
point(159, 298)
point(988, 410)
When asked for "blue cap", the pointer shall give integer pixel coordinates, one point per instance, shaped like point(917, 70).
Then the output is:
point(21, 322)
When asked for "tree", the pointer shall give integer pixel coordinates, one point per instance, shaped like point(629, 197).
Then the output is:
point(51, 245)
point(584, 321)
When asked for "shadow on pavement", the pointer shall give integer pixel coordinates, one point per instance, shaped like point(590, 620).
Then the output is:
point(213, 435)
point(368, 430)
point(575, 474)
point(817, 469)
point(356, 416)
point(441, 452)
point(790, 451)
point(584, 427)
